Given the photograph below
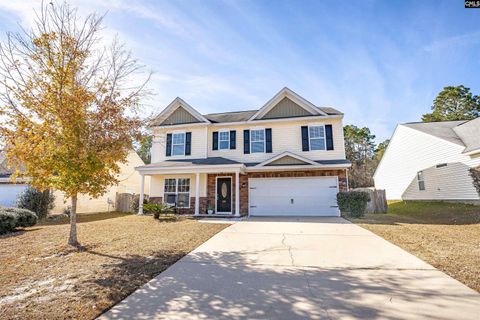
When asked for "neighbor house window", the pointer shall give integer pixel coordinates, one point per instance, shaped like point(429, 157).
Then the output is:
point(317, 137)
point(224, 140)
point(421, 181)
point(257, 141)
point(177, 192)
point(178, 144)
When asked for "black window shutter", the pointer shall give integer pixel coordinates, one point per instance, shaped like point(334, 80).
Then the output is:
point(233, 139)
point(215, 140)
point(188, 143)
point(329, 136)
point(268, 140)
point(246, 141)
point(168, 149)
point(305, 146)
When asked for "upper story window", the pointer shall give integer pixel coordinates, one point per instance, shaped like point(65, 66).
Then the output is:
point(317, 137)
point(224, 140)
point(178, 144)
point(421, 181)
point(257, 141)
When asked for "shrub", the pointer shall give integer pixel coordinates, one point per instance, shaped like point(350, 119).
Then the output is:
point(475, 174)
point(353, 202)
point(156, 209)
point(8, 221)
point(25, 218)
point(11, 218)
point(136, 200)
point(40, 202)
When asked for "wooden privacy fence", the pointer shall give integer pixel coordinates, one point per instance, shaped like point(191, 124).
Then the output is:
point(124, 201)
point(378, 200)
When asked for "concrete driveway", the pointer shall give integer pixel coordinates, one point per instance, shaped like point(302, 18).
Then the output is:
point(323, 268)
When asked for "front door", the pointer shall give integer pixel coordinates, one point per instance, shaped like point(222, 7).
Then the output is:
point(224, 195)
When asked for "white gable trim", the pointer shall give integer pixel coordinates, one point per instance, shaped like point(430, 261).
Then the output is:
point(174, 105)
point(287, 93)
point(287, 154)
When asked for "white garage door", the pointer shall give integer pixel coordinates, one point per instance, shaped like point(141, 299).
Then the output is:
point(313, 196)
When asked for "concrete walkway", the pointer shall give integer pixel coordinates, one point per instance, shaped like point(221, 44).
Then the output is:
point(323, 268)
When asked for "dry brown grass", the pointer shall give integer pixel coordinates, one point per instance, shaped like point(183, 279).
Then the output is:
point(42, 278)
point(443, 234)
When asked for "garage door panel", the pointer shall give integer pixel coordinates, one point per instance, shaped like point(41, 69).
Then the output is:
point(315, 196)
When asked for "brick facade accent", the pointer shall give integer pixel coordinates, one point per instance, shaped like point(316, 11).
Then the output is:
point(211, 183)
point(211, 187)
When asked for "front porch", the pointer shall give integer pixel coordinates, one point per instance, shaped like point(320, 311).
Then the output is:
point(196, 189)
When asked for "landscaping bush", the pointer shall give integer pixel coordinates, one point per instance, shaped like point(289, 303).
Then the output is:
point(475, 174)
point(136, 200)
point(12, 218)
point(40, 202)
point(353, 203)
point(156, 209)
point(25, 218)
point(8, 221)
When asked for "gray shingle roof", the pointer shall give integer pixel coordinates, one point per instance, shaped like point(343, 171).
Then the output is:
point(325, 162)
point(469, 132)
point(443, 129)
point(465, 133)
point(237, 116)
point(192, 162)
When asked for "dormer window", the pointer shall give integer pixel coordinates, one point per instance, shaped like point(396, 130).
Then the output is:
point(178, 144)
point(257, 140)
point(224, 140)
point(317, 137)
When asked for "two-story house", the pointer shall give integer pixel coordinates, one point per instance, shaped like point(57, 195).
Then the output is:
point(287, 158)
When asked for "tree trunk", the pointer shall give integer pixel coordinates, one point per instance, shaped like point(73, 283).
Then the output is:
point(72, 240)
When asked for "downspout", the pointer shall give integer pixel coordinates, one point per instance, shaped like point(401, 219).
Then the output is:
point(346, 175)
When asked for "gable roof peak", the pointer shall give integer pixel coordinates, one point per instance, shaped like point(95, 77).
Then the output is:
point(172, 107)
point(286, 92)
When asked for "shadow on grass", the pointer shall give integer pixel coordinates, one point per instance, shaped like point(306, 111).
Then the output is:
point(224, 285)
point(82, 218)
point(18, 232)
point(423, 212)
point(131, 272)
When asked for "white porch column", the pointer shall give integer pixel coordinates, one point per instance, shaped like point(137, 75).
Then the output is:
point(237, 194)
point(197, 193)
point(142, 194)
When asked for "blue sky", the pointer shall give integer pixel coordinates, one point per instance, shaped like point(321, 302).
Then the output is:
point(380, 62)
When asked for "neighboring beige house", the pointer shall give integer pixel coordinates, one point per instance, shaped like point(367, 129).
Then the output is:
point(129, 182)
point(286, 158)
point(430, 161)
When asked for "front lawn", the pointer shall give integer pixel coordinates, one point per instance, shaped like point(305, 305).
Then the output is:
point(42, 278)
point(446, 235)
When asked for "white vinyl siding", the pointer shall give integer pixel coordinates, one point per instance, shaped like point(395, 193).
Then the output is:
point(198, 144)
point(411, 151)
point(158, 184)
point(286, 136)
